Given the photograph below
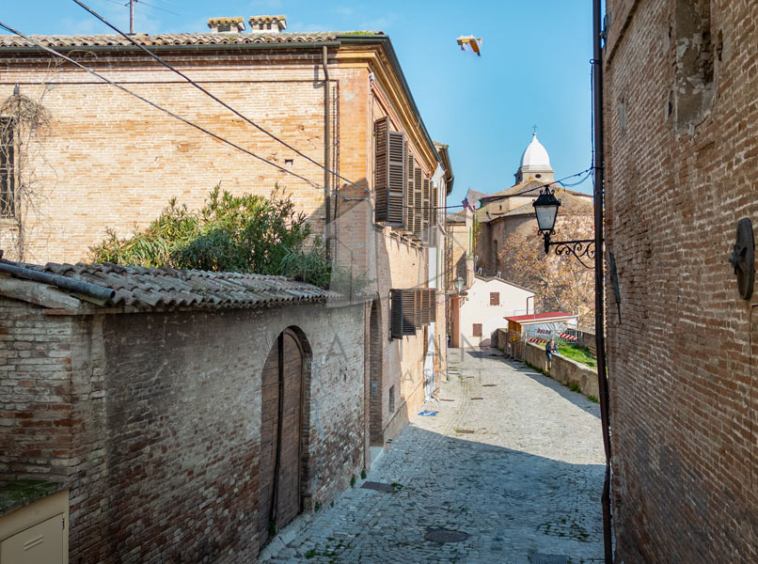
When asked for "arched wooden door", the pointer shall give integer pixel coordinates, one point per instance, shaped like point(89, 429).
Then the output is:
point(281, 423)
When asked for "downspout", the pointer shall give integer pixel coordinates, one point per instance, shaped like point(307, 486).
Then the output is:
point(327, 142)
point(599, 168)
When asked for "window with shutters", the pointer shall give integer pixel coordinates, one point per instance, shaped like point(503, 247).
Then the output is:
point(389, 173)
point(477, 329)
point(435, 203)
point(408, 203)
point(7, 167)
point(418, 209)
point(403, 313)
point(392, 399)
point(494, 298)
point(427, 203)
point(412, 309)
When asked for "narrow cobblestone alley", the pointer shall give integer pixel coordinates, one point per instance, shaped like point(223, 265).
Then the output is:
point(513, 460)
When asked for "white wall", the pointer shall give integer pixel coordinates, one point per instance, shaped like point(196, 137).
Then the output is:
point(477, 309)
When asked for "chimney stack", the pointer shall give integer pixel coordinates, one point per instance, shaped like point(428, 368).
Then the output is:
point(270, 24)
point(226, 25)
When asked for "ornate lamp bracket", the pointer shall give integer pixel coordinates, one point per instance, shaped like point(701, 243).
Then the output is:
point(582, 248)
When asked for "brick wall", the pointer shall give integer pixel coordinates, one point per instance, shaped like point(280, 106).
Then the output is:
point(36, 412)
point(158, 436)
point(681, 171)
point(110, 161)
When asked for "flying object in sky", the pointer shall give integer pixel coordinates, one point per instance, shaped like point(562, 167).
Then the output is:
point(471, 44)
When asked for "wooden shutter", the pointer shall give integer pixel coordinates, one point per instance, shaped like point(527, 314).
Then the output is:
point(426, 196)
point(435, 215)
point(409, 193)
point(433, 305)
point(418, 209)
point(494, 298)
point(403, 313)
point(389, 173)
point(420, 315)
point(477, 329)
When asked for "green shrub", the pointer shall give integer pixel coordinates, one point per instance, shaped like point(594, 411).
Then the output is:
point(248, 234)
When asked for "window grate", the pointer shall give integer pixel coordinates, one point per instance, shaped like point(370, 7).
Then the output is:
point(7, 167)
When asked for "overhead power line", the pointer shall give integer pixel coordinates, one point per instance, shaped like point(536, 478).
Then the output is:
point(156, 106)
point(216, 98)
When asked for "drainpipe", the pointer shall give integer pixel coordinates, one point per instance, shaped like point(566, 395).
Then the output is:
point(327, 142)
point(599, 164)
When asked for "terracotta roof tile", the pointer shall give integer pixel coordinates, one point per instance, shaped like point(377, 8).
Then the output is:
point(57, 41)
point(147, 288)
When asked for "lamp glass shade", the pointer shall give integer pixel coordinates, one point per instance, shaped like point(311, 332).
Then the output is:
point(459, 285)
point(546, 210)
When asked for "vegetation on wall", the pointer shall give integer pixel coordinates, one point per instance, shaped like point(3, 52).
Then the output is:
point(249, 234)
point(24, 127)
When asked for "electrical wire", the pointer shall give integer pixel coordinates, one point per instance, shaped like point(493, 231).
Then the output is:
point(156, 106)
point(154, 7)
point(215, 98)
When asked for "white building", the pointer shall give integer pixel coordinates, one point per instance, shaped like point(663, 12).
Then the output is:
point(480, 311)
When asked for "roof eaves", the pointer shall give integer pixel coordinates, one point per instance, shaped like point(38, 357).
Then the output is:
point(509, 283)
point(384, 40)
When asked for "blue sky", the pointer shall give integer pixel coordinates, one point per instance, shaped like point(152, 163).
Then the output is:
point(534, 68)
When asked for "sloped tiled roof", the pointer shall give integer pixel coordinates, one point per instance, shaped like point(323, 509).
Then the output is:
point(147, 288)
point(528, 188)
point(537, 317)
point(58, 41)
point(571, 203)
point(457, 217)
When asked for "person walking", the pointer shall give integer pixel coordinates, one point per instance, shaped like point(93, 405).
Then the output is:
point(550, 348)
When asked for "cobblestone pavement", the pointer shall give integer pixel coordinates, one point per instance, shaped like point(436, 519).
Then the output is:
point(526, 482)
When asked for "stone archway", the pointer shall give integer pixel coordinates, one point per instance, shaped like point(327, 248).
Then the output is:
point(283, 417)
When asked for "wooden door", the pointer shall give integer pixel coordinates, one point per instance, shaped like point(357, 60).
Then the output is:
point(281, 422)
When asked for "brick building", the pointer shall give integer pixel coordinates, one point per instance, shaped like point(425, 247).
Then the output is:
point(681, 135)
point(99, 158)
point(509, 212)
point(188, 416)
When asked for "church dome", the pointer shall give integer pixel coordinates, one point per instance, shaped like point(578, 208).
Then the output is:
point(535, 157)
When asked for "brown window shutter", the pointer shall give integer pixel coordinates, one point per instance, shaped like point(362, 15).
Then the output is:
point(396, 314)
point(477, 329)
point(398, 180)
point(417, 201)
point(433, 305)
point(424, 307)
point(389, 173)
point(494, 298)
point(402, 314)
point(435, 214)
point(409, 193)
point(427, 212)
point(409, 312)
point(419, 321)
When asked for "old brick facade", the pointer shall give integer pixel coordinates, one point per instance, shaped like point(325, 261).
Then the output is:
point(152, 418)
point(107, 160)
point(681, 106)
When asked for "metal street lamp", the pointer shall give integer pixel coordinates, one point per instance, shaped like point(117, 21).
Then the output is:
point(546, 209)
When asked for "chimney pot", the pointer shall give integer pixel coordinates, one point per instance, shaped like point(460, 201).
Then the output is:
point(270, 24)
point(226, 25)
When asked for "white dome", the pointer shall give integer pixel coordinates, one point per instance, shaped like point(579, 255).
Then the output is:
point(535, 157)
